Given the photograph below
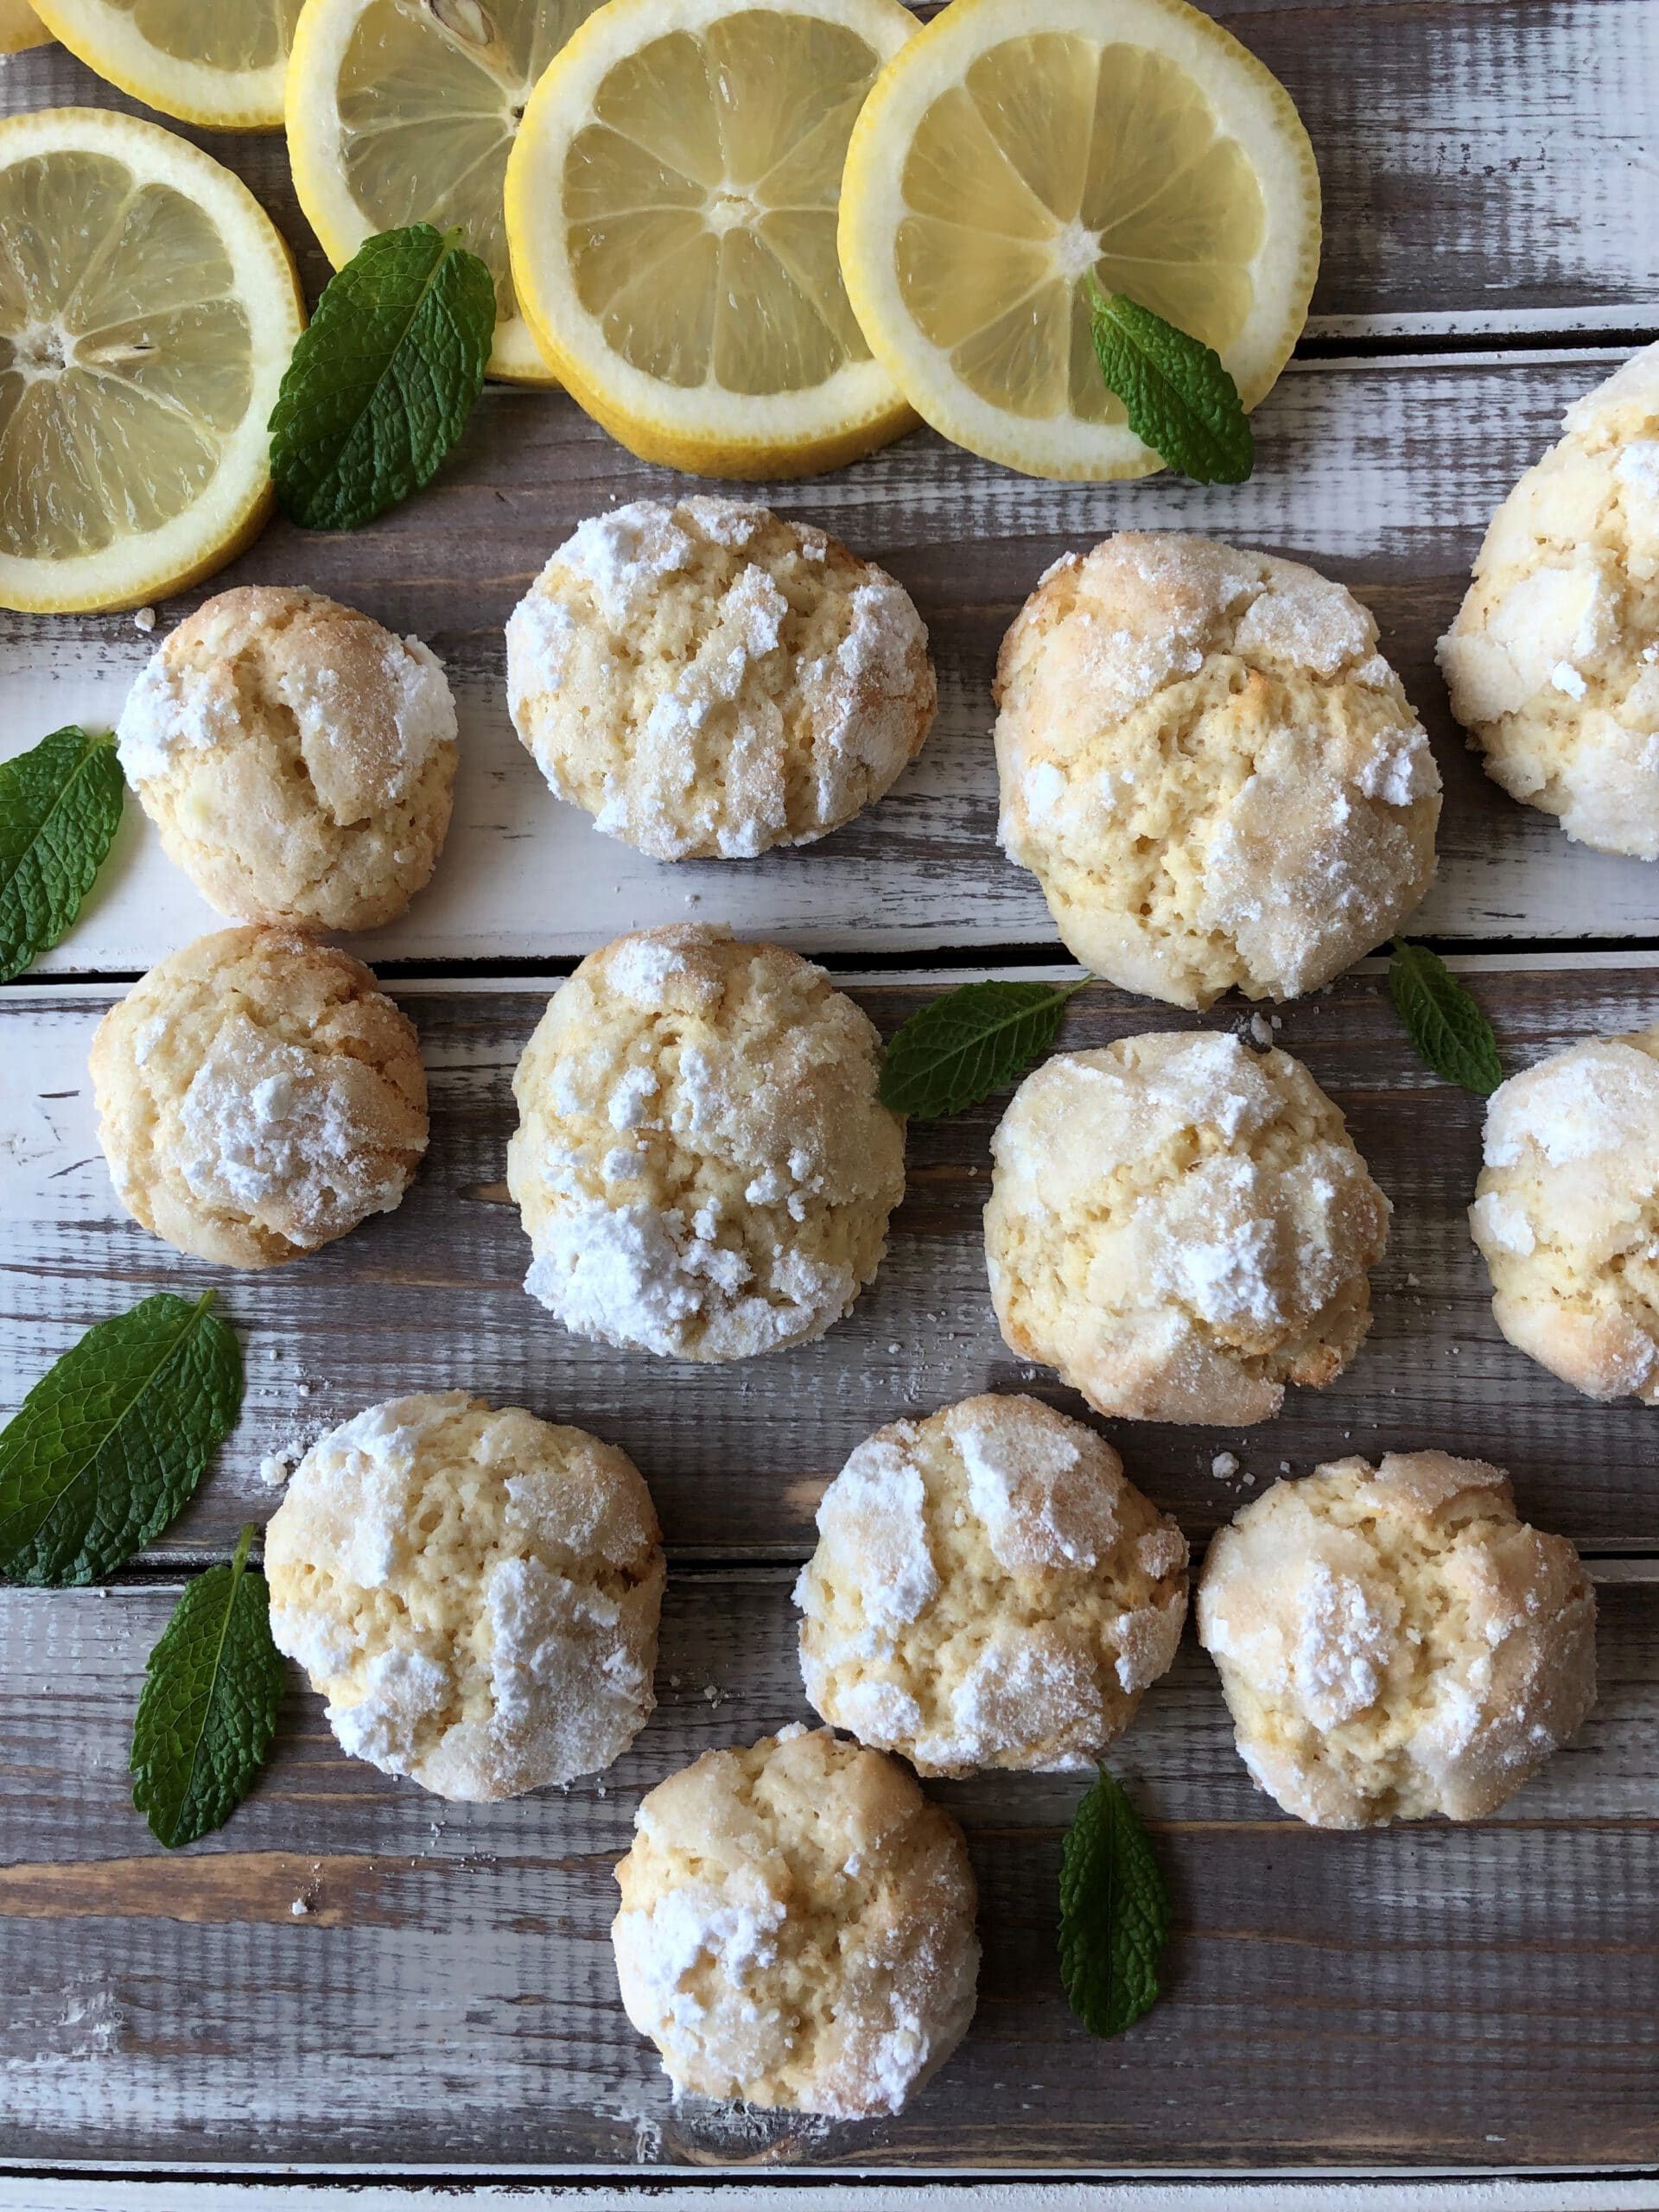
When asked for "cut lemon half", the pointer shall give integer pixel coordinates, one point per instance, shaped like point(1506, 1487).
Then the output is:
point(405, 111)
point(148, 308)
point(671, 211)
point(216, 62)
point(1014, 149)
point(20, 27)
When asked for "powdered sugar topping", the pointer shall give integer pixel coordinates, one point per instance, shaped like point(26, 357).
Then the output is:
point(625, 555)
point(269, 1130)
point(1594, 1098)
point(1304, 621)
point(173, 708)
point(1345, 1640)
point(1044, 1505)
point(875, 1512)
point(1399, 769)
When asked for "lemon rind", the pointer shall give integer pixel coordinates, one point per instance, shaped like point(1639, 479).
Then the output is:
point(1266, 125)
point(311, 119)
point(849, 415)
point(218, 99)
point(233, 508)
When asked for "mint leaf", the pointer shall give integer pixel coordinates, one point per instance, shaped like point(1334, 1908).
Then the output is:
point(60, 809)
point(1447, 1029)
point(108, 1446)
point(1180, 399)
point(1114, 1912)
point(381, 384)
point(207, 1712)
point(976, 1040)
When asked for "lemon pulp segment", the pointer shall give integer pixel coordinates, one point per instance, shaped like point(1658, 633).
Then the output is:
point(147, 309)
point(404, 112)
point(998, 170)
point(219, 62)
point(676, 233)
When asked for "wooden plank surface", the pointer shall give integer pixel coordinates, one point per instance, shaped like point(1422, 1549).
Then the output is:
point(1382, 473)
point(1448, 133)
point(736, 1455)
point(1477, 1997)
point(1480, 1995)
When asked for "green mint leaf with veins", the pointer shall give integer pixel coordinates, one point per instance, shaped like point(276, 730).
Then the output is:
point(109, 1444)
point(973, 1041)
point(1181, 402)
point(382, 383)
point(60, 809)
point(207, 1712)
point(1114, 1912)
point(1447, 1029)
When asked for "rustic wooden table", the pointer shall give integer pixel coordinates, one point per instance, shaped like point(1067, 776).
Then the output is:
point(353, 1975)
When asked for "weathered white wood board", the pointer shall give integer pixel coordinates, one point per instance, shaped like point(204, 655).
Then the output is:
point(1428, 1997)
point(736, 1456)
point(448, 1995)
point(1383, 474)
point(1483, 161)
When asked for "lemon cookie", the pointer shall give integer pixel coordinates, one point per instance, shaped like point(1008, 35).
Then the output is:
point(297, 759)
point(258, 1097)
point(1181, 1226)
point(1393, 1642)
point(1567, 1214)
point(475, 1593)
point(708, 678)
point(988, 1591)
point(701, 1163)
point(1211, 769)
point(1553, 662)
point(798, 1927)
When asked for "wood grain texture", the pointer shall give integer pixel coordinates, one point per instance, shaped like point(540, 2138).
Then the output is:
point(736, 1456)
point(1443, 132)
point(1467, 1996)
point(1382, 475)
point(1477, 1995)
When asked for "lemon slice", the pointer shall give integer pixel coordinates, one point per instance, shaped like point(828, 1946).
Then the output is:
point(217, 62)
point(20, 27)
point(1016, 146)
point(405, 111)
point(147, 312)
point(671, 211)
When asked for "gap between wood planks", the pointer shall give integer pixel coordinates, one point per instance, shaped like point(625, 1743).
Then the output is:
point(163, 1569)
point(907, 965)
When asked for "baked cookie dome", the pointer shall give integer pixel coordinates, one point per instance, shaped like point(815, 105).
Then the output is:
point(1553, 662)
point(298, 759)
point(1181, 1227)
point(706, 678)
point(1211, 769)
point(475, 1592)
point(258, 1097)
point(1393, 1642)
point(1567, 1214)
point(988, 1591)
point(798, 1927)
point(701, 1163)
